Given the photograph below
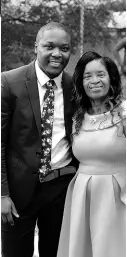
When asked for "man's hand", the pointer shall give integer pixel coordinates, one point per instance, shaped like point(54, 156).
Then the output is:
point(7, 209)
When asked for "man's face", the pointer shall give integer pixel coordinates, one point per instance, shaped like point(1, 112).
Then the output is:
point(53, 51)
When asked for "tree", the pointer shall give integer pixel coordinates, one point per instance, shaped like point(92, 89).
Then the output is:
point(21, 21)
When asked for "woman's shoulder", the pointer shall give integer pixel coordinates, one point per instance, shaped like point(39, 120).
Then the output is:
point(122, 109)
point(123, 105)
point(122, 114)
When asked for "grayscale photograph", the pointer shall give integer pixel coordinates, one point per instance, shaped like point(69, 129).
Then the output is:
point(63, 128)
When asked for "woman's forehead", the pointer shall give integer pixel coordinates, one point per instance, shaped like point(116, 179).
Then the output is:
point(95, 65)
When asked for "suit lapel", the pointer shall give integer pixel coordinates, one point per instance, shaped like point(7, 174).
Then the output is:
point(32, 87)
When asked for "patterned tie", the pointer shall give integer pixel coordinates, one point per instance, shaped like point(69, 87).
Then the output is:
point(46, 128)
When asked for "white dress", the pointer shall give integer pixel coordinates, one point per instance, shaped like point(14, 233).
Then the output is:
point(94, 215)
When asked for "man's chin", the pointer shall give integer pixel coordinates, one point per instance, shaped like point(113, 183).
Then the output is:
point(54, 72)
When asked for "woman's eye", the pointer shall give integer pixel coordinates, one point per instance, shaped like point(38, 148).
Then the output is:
point(101, 75)
point(87, 77)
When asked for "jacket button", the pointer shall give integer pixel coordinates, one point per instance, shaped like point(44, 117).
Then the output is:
point(38, 154)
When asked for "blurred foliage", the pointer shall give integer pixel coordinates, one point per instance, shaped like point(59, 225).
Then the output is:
point(22, 19)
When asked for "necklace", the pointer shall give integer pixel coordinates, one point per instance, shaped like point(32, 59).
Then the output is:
point(93, 119)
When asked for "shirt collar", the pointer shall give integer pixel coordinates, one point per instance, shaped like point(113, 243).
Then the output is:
point(43, 78)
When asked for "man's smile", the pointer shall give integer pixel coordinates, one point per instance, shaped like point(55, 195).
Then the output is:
point(55, 63)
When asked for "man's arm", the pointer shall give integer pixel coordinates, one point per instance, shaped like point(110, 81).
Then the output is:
point(116, 51)
point(7, 205)
point(5, 125)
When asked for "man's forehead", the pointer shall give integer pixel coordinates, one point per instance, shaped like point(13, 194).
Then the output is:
point(51, 31)
point(47, 32)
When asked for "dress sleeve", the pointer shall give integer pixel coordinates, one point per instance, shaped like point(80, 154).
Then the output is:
point(123, 109)
point(122, 114)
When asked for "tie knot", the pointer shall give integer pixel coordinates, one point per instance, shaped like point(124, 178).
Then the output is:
point(50, 84)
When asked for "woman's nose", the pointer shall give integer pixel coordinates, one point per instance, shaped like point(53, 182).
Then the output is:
point(95, 79)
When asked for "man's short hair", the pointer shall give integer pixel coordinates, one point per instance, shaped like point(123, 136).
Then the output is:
point(50, 26)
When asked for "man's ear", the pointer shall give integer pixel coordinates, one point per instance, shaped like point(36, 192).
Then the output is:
point(35, 48)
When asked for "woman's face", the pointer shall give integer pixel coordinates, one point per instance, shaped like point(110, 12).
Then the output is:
point(96, 81)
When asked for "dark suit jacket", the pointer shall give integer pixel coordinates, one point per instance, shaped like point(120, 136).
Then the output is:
point(21, 131)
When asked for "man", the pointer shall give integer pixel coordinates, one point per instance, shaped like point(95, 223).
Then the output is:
point(121, 45)
point(116, 51)
point(36, 155)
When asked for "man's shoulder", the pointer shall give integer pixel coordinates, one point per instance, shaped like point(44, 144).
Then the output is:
point(121, 44)
point(68, 75)
point(14, 71)
point(15, 74)
point(67, 78)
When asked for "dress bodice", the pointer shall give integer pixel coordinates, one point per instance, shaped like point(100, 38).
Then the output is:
point(101, 141)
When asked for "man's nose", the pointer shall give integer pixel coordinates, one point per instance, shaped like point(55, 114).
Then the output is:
point(56, 52)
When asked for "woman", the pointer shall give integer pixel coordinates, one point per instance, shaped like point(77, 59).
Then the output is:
point(94, 216)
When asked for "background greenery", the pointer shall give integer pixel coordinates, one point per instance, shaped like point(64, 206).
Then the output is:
point(22, 19)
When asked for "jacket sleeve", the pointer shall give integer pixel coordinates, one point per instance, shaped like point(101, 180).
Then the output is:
point(5, 125)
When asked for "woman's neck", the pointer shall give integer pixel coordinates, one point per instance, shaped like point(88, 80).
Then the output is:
point(98, 107)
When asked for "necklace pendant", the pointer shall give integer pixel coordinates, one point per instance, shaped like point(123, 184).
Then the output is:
point(93, 120)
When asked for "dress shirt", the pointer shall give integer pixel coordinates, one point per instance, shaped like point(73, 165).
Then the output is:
point(60, 147)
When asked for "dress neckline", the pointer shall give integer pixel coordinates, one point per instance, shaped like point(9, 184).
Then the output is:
point(100, 121)
point(99, 115)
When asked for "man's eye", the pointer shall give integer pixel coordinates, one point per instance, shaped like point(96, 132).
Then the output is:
point(49, 47)
point(65, 49)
